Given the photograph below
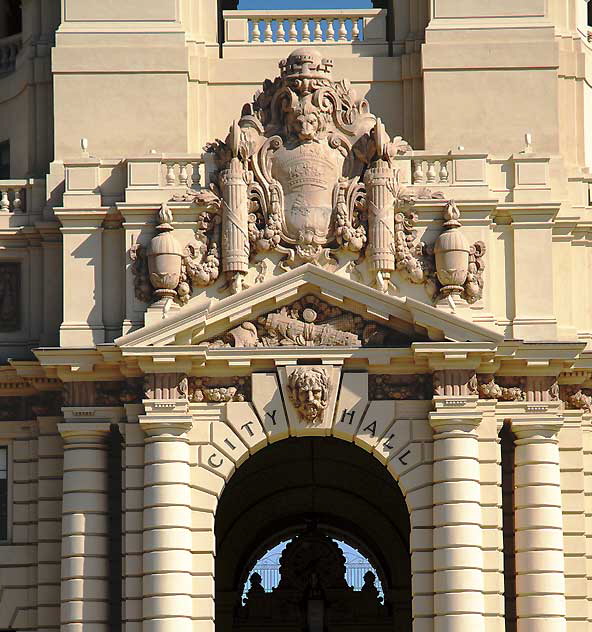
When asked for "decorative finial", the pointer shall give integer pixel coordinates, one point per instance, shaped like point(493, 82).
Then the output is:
point(451, 215)
point(84, 145)
point(165, 218)
point(527, 143)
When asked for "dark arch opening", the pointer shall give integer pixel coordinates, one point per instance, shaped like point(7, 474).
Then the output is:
point(339, 489)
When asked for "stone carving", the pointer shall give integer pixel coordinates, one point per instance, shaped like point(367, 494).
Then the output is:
point(455, 383)
point(167, 271)
point(489, 389)
point(577, 398)
point(308, 389)
point(204, 389)
point(399, 387)
point(10, 281)
point(459, 266)
point(165, 386)
point(12, 408)
point(310, 322)
point(310, 173)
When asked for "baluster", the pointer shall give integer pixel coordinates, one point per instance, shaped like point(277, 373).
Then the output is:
point(443, 171)
point(318, 33)
point(183, 174)
point(330, 30)
point(17, 205)
point(342, 33)
point(305, 30)
point(418, 177)
point(4, 202)
point(431, 175)
point(256, 31)
point(281, 33)
point(355, 30)
point(170, 176)
point(268, 32)
point(293, 32)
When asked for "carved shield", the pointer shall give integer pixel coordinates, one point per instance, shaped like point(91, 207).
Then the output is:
point(308, 174)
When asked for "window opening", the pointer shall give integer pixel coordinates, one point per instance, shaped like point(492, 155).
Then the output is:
point(3, 492)
point(12, 18)
point(5, 160)
point(266, 570)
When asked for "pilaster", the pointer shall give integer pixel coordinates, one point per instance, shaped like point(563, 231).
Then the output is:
point(167, 516)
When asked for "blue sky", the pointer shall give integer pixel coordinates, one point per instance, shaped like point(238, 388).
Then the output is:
point(304, 4)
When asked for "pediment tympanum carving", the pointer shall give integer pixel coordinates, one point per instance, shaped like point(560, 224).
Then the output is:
point(308, 175)
point(312, 322)
point(400, 319)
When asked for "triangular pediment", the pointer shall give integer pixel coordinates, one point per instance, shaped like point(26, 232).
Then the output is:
point(400, 320)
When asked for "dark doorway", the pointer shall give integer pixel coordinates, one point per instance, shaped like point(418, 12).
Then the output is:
point(313, 493)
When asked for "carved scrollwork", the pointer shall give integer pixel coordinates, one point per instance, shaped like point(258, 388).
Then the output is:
point(309, 175)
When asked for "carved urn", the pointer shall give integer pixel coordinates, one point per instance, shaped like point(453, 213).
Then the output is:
point(164, 257)
point(452, 253)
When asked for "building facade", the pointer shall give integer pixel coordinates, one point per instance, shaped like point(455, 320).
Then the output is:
point(303, 277)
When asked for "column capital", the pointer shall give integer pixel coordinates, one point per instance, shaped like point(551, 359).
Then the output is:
point(536, 426)
point(455, 414)
point(84, 431)
point(94, 414)
point(166, 418)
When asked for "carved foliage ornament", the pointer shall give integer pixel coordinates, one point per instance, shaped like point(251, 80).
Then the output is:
point(310, 174)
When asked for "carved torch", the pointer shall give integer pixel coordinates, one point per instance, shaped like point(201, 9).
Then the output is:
point(235, 237)
point(381, 217)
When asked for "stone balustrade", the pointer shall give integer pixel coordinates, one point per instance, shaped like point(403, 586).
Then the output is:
point(323, 27)
point(9, 49)
point(15, 195)
point(182, 171)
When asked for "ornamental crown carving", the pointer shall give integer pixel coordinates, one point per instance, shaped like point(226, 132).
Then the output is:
point(308, 174)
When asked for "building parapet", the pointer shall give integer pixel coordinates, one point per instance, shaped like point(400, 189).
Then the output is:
point(336, 27)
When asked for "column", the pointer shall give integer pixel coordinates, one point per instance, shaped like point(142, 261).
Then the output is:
point(167, 540)
point(540, 581)
point(85, 532)
point(458, 539)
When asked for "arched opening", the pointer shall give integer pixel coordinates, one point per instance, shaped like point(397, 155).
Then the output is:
point(311, 494)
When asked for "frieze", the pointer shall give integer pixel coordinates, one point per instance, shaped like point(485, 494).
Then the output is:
point(383, 387)
point(219, 390)
point(576, 398)
point(490, 387)
point(307, 175)
point(103, 393)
